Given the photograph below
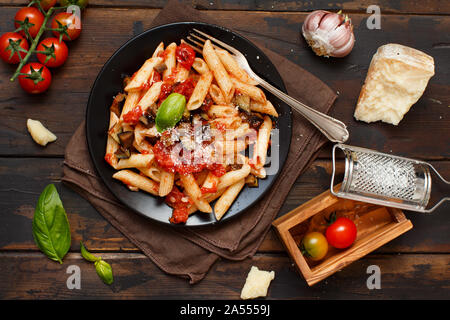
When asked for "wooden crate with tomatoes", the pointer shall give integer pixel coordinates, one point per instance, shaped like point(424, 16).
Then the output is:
point(327, 233)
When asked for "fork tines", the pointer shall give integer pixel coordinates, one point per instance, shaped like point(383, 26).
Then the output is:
point(196, 39)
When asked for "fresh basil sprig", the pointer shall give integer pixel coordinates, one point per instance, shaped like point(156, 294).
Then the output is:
point(51, 230)
point(103, 268)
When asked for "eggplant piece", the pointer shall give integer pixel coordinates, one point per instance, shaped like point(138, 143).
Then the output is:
point(152, 110)
point(117, 103)
point(115, 131)
point(123, 153)
point(242, 101)
point(160, 67)
point(152, 140)
point(251, 181)
point(253, 119)
point(126, 139)
point(147, 120)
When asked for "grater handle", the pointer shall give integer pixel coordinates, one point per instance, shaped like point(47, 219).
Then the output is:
point(334, 170)
point(443, 199)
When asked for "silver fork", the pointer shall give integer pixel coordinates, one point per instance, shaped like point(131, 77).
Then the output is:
point(333, 129)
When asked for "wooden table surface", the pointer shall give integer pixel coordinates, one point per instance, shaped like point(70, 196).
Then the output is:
point(415, 265)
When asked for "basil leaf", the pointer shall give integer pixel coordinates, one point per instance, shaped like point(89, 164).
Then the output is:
point(51, 230)
point(170, 111)
point(104, 271)
point(87, 255)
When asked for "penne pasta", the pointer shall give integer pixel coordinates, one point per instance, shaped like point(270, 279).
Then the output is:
point(193, 191)
point(200, 65)
point(143, 74)
point(208, 198)
point(262, 143)
point(152, 172)
point(222, 111)
point(220, 74)
point(253, 92)
point(151, 96)
point(200, 91)
point(233, 68)
point(232, 177)
point(170, 60)
point(166, 183)
point(135, 161)
point(181, 74)
point(159, 51)
point(110, 155)
point(259, 172)
point(216, 94)
point(266, 108)
point(227, 198)
point(228, 123)
point(134, 179)
point(210, 184)
point(130, 103)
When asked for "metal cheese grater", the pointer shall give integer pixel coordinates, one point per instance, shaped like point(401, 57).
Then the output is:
point(383, 179)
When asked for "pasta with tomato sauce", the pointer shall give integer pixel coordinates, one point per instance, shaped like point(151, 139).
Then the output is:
point(182, 127)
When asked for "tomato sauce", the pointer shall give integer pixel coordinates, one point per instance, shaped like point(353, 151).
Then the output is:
point(186, 88)
point(204, 190)
point(180, 204)
point(186, 162)
point(133, 115)
point(185, 55)
point(155, 78)
point(108, 158)
point(217, 169)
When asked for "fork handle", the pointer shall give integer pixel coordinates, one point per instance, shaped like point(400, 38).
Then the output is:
point(333, 129)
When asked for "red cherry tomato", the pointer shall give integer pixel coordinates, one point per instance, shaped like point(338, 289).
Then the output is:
point(34, 17)
point(42, 79)
point(185, 55)
point(47, 4)
point(58, 48)
point(341, 233)
point(5, 47)
point(73, 23)
point(186, 88)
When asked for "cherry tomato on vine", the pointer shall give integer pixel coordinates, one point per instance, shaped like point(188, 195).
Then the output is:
point(47, 4)
point(341, 233)
point(73, 23)
point(37, 79)
point(185, 55)
point(57, 52)
point(81, 3)
point(32, 16)
point(9, 40)
point(314, 246)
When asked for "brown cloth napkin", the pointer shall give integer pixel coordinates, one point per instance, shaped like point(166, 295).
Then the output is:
point(191, 252)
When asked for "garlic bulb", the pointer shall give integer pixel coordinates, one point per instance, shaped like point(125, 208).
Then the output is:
point(328, 33)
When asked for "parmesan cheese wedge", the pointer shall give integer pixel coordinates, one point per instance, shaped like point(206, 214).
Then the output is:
point(39, 133)
point(396, 79)
point(257, 283)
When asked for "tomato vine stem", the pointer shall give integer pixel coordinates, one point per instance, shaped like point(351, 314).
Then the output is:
point(35, 41)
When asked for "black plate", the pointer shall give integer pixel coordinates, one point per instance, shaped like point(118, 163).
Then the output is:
point(129, 58)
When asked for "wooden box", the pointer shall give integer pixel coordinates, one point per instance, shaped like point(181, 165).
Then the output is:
point(375, 226)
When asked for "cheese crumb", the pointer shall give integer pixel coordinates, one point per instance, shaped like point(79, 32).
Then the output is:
point(257, 283)
point(40, 134)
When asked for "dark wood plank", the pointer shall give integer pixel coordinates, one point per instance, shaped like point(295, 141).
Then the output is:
point(386, 6)
point(62, 108)
point(24, 179)
point(409, 276)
